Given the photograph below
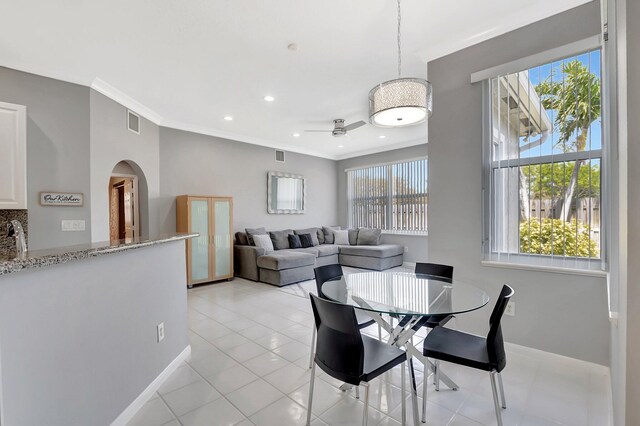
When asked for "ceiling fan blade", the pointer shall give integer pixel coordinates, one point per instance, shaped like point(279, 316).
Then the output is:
point(319, 131)
point(355, 125)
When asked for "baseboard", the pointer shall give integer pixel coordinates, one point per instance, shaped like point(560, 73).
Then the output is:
point(147, 394)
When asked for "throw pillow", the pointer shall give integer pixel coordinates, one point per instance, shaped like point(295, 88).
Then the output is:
point(306, 240)
point(328, 233)
point(353, 237)
point(369, 237)
point(280, 239)
point(320, 235)
point(241, 239)
point(341, 237)
point(254, 231)
point(294, 241)
point(312, 232)
point(263, 241)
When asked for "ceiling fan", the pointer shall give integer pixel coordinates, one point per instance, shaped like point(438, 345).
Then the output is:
point(339, 129)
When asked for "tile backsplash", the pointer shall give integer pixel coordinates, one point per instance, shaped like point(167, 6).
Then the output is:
point(8, 244)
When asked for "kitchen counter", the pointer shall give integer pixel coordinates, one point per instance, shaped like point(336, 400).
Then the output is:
point(79, 330)
point(39, 258)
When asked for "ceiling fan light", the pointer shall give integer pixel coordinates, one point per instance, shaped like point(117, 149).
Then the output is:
point(401, 102)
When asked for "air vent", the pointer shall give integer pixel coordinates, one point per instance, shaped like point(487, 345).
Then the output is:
point(279, 156)
point(133, 122)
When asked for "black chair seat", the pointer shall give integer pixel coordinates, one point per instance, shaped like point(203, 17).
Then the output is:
point(364, 319)
point(457, 347)
point(379, 357)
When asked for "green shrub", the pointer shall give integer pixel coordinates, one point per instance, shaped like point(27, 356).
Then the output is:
point(554, 236)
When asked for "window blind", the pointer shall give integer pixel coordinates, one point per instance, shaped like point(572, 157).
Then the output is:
point(390, 196)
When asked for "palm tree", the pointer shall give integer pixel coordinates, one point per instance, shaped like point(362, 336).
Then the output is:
point(576, 101)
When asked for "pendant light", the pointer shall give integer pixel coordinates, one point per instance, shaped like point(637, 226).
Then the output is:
point(400, 102)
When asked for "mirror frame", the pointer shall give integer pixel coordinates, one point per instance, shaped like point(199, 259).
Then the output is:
point(274, 175)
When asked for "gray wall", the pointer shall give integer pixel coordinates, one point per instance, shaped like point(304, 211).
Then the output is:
point(112, 142)
point(416, 244)
point(57, 152)
point(560, 313)
point(196, 164)
point(633, 236)
point(78, 340)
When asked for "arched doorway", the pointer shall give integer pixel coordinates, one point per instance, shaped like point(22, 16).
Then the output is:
point(128, 202)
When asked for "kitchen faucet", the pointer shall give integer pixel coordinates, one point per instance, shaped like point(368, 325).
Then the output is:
point(14, 229)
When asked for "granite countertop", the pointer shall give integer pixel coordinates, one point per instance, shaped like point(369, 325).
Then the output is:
point(39, 258)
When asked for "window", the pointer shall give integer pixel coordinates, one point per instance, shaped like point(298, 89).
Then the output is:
point(544, 160)
point(391, 196)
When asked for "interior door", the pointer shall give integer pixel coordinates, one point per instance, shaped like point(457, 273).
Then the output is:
point(199, 265)
point(128, 210)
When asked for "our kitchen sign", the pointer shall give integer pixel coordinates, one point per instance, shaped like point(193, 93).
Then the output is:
point(69, 199)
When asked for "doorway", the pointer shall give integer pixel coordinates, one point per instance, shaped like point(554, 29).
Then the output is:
point(124, 211)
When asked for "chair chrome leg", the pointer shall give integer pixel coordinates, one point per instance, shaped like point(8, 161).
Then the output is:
point(403, 394)
point(425, 384)
point(313, 374)
point(379, 332)
point(357, 391)
point(313, 347)
point(496, 404)
point(365, 416)
point(414, 392)
point(504, 401)
point(436, 373)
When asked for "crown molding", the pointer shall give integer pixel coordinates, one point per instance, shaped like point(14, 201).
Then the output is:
point(202, 130)
point(379, 149)
point(125, 100)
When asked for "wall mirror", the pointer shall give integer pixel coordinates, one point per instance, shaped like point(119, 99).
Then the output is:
point(286, 193)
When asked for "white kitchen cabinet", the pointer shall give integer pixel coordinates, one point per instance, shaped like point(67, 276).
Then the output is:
point(13, 156)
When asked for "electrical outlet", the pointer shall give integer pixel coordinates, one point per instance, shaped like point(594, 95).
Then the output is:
point(73, 225)
point(511, 309)
point(406, 249)
point(160, 332)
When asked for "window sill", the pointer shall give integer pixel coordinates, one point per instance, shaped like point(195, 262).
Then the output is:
point(542, 268)
point(407, 233)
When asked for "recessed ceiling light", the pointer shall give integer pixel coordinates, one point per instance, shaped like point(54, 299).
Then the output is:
point(340, 146)
point(296, 135)
point(269, 98)
point(228, 118)
point(382, 136)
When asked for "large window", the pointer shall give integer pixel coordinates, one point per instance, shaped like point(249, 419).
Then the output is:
point(391, 196)
point(544, 163)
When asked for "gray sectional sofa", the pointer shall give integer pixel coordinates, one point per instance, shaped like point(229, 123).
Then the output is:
point(285, 265)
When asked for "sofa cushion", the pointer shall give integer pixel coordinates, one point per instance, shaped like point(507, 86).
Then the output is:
point(311, 231)
point(368, 236)
point(254, 231)
point(241, 239)
point(285, 259)
point(263, 241)
point(353, 237)
point(320, 235)
point(327, 249)
point(280, 239)
point(294, 241)
point(327, 231)
point(381, 251)
point(341, 237)
point(306, 240)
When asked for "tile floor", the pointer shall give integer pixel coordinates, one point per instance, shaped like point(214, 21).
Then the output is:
point(248, 366)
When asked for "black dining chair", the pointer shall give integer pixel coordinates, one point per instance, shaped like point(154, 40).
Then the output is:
point(474, 351)
point(345, 354)
point(324, 274)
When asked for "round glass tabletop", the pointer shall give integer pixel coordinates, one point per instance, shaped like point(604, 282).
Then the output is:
point(404, 293)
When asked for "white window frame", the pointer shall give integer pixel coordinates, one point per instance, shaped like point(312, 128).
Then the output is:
point(530, 261)
point(387, 228)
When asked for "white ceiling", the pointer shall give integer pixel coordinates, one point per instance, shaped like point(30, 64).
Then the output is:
point(187, 64)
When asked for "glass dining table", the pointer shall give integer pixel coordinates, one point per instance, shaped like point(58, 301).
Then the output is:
point(410, 299)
